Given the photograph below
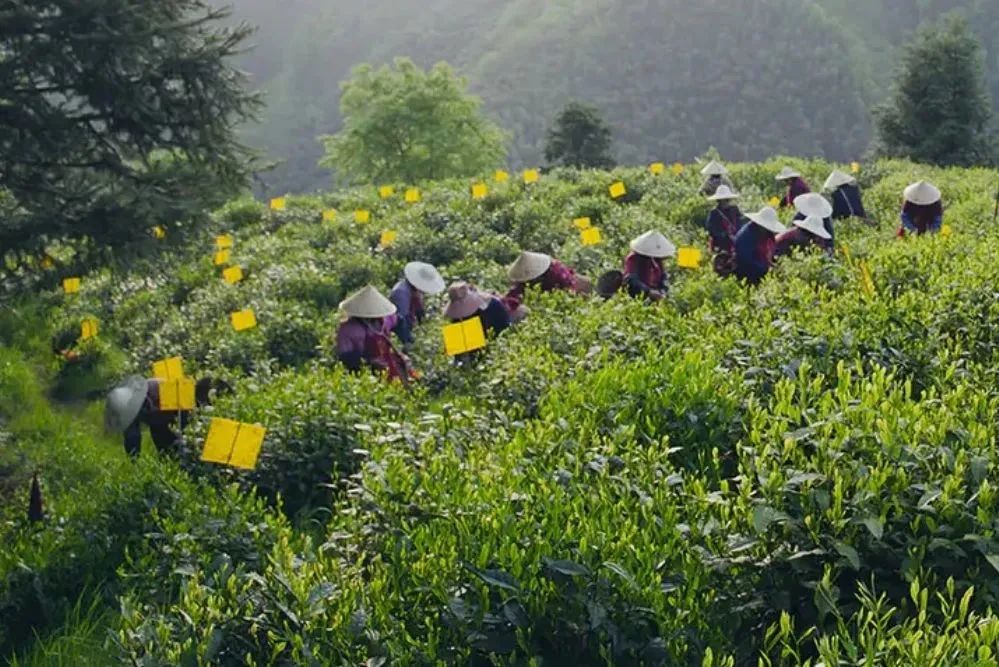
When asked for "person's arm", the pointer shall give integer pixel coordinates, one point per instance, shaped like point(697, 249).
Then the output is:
point(716, 230)
point(350, 346)
point(404, 330)
point(133, 438)
point(907, 222)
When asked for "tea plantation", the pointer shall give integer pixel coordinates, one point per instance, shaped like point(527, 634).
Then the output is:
point(803, 473)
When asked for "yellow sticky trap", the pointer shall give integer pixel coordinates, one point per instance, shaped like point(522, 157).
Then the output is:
point(71, 285)
point(688, 258)
point(386, 191)
point(657, 168)
point(279, 204)
point(223, 242)
point(220, 441)
point(946, 231)
point(855, 167)
point(159, 232)
point(89, 328)
point(479, 191)
point(171, 368)
point(617, 190)
point(462, 337)
point(329, 215)
point(249, 442)
point(221, 257)
point(677, 168)
point(233, 274)
point(774, 202)
point(501, 176)
point(582, 223)
point(531, 176)
point(388, 237)
point(413, 195)
point(232, 443)
point(243, 320)
point(362, 217)
point(591, 236)
point(177, 395)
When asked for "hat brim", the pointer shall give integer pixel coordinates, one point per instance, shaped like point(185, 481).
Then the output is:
point(433, 284)
point(118, 418)
point(529, 273)
point(653, 252)
point(817, 231)
point(465, 308)
point(775, 227)
point(788, 176)
point(813, 206)
point(922, 197)
point(727, 197)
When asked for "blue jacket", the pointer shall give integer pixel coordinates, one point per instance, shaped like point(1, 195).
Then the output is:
point(847, 203)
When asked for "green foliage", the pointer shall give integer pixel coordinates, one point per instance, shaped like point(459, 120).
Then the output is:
point(117, 116)
point(404, 125)
point(579, 138)
point(940, 112)
point(783, 475)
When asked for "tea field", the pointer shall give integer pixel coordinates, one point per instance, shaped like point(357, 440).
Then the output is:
point(804, 473)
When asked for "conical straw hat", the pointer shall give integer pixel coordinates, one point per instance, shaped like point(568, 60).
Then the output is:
point(838, 178)
point(424, 277)
point(922, 194)
point(813, 203)
point(653, 244)
point(787, 173)
point(367, 302)
point(768, 219)
point(464, 301)
point(714, 168)
point(724, 193)
point(529, 265)
point(815, 225)
point(124, 403)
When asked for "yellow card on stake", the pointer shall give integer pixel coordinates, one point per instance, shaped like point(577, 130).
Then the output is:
point(171, 368)
point(386, 191)
point(688, 258)
point(657, 168)
point(71, 285)
point(531, 176)
point(243, 320)
point(177, 395)
point(462, 337)
point(223, 242)
point(677, 168)
point(618, 190)
point(479, 191)
point(221, 257)
point(388, 237)
point(582, 223)
point(591, 236)
point(329, 215)
point(232, 443)
point(233, 274)
point(413, 195)
point(501, 176)
point(362, 217)
point(279, 204)
point(89, 328)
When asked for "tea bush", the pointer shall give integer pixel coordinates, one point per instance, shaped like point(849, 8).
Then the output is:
point(798, 474)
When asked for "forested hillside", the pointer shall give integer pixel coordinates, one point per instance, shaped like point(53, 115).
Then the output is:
point(786, 76)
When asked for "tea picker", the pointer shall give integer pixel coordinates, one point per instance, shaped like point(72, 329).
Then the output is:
point(922, 210)
point(137, 401)
point(716, 175)
point(796, 185)
point(644, 273)
point(723, 223)
point(846, 198)
point(814, 205)
point(362, 340)
point(419, 279)
point(755, 245)
point(535, 269)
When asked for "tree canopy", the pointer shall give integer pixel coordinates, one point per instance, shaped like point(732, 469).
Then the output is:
point(579, 138)
point(940, 110)
point(116, 115)
point(402, 124)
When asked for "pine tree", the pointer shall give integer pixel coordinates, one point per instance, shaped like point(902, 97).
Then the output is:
point(940, 111)
point(579, 138)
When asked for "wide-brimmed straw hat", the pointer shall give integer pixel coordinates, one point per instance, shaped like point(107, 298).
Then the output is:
point(367, 303)
point(922, 193)
point(815, 225)
point(788, 173)
point(529, 266)
point(124, 403)
point(767, 219)
point(838, 178)
point(724, 193)
point(714, 168)
point(463, 301)
point(653, 244)
point(812, 203)
point(424, 277)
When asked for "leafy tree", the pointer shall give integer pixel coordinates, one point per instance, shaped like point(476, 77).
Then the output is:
point(940, 110)
point(112, 113)
point(402, 124)
point(579, 138)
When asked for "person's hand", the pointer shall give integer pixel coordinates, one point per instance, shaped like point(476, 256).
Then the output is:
point(656, 295)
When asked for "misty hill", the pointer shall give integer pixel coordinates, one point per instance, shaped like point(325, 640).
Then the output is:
point(750, 77)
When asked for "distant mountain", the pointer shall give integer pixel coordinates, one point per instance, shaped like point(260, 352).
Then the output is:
point(673, 77)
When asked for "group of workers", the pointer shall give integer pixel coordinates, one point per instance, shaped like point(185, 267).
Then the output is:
point(743, 246)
